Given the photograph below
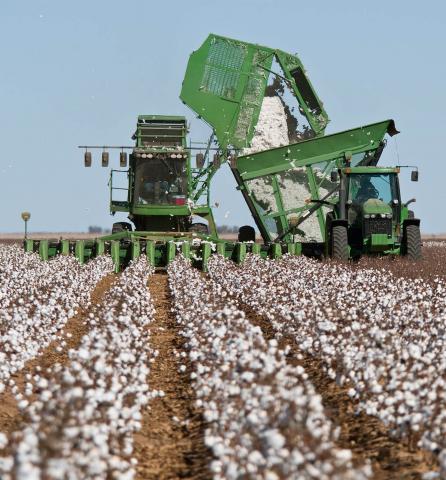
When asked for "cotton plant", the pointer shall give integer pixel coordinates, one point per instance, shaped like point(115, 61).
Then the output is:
point(264, 417)
point(381, 336)
point(80, 416)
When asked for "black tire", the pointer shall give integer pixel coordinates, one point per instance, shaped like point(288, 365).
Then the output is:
point(121, 227)
point(246, 233)
point(413, 242)
point(199, 228)
point(339, 243)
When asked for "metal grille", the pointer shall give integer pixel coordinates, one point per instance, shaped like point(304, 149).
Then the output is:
point(222, 70)
point(377, 225)
point(252, 98)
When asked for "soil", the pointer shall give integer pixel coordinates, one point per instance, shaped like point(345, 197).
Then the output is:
point(365, 435)
point(431, 264)
point(11, 419)
point(170, 444)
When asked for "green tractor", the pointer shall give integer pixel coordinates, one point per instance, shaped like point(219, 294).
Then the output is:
point(369, 216)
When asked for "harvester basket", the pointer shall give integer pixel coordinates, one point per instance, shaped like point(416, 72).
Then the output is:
point(282, 186)
point(225, 84)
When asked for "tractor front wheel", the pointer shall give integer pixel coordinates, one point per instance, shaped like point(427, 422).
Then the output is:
point(339, 243)
point(413, 242)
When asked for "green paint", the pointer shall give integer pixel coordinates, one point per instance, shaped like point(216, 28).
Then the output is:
point(43, 249)
point(135, 249)
point(150, 252)
point(79, 251)
point(170, 252)
point(206, 252)
point(29, 245)
point(255, 248)
point(240, 252)
point(65, 247)
point(221, 248)
point(185, 249)
point(225, 84)
point(115, 254)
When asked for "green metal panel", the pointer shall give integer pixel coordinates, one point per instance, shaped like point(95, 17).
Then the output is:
point(380, 240)
point(170, 251)
point(79, 251)
point(221, 248)
point(150, 252)
point(225, 85)
point(315, 196)
point(65, 247)
point(116, 255)
point(294, 248)
point(29, 245)
point(322, 149)
point(43, 249)
point(275, 250)
point(240, 252)
point(185, 249)
point(206, 252)
point(100, 247)
point(136, 249)
point(255, 248)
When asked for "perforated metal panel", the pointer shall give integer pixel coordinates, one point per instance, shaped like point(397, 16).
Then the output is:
point(222, 69)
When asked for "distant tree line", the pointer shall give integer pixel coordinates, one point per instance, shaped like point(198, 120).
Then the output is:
point(227, 229)
point(97, 229)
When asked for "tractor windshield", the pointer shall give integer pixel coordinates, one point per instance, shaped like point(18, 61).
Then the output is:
point(161, 181)
point(363, 187)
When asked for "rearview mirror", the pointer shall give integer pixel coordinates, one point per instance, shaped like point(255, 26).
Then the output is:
point(414, 176)
point(334, 176)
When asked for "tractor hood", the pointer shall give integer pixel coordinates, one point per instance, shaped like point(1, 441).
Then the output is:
point(376, 206)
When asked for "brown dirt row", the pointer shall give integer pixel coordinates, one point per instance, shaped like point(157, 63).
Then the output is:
point(170, 444)
point(11, 419)
point(366, 436)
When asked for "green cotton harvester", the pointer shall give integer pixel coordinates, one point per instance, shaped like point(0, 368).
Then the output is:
point(308, 192)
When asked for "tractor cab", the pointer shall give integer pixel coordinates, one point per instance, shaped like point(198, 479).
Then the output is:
point(373, 201)
point(370, 208)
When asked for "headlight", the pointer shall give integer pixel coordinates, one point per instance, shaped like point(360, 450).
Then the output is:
point(366, 215)
point(372, 215)
point(389, 215)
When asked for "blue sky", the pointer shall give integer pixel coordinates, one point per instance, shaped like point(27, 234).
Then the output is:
point(80, 72)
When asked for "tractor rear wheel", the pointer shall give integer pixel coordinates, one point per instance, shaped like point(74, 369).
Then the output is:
point(339, 243)
point(246, 233)
point(413, 242)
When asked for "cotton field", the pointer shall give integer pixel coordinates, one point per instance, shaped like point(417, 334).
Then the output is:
point(272, 369)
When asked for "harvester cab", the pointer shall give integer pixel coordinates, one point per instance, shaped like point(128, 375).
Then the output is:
point(160, 182)
point(369, 216)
